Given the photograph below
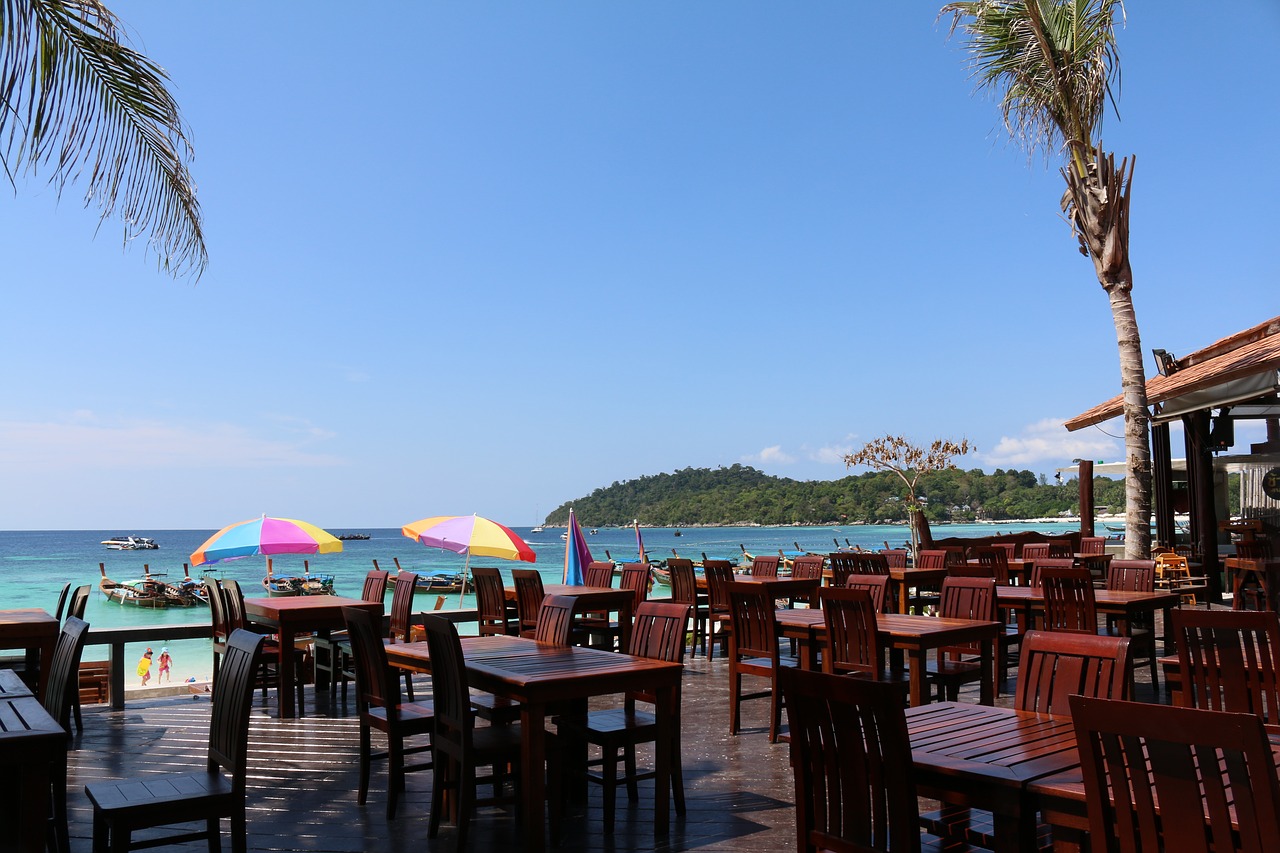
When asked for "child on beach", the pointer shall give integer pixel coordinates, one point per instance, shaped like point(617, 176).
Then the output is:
point(144, 667)
point(166, 663)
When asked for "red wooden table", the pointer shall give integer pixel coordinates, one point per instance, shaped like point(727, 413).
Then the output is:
point(33, 750)
point(290, 616)
point(914, 635)
point(35, 631)
point(1026, 601)
point(538, 675)
point(981, 757)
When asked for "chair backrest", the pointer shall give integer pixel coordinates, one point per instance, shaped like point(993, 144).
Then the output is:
point(931, 559)
point(636, 577)
point(1132, 575)
point(895, 557)
point(997, 559)
point(62, 600)
point(491, 600)
point(78, 602)
point(972, 570)
point(1256, 549)
point(807, 567)
point(229, 722)
point(402, 606)
point(1010, 549)
point(555, 619)
point(968, 598)
point(877, 586)
point(233, 599)
point(764, 567)
point(1053, 666)
point(684, 583)
point(718, 573)
point(1042, 563)
point(846, 564)
point(853, 645)
point(64, 673)
point(1035, 550)
point(1093, 545)
point(529, 597)
point(754, 632)
point(1229, 660)
point(598, 573)
point(1068, 600)
point(375, 687)
point(1162, 778)
point(1061, 548)
point(449, 694)
point(375, 586)
point(851, 757)
point(217, 610)
point(955, 554)
point(658, 631)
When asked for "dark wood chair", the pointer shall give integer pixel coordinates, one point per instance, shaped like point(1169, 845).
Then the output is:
point(1035, 550)
point(1055, 665)
point(895, 557)
point(1068, 600)
point(1136, 576)
point(754, 650)
point(555, 620)
point(76, 605)
point(658, 633)
point(808, 567)
point(491, 602)
point(1229, 660)
point(877, 586)
point(1162, 778)
point(162, 799)
point(1252, 581)
point(62, 601)
point(332, 654)
point(269, 656)
point(1042, 563)
point(1010, 549)
point(636, 577)
point(853, 642)
point(221, 625)
point(854, 789)
point(379, 706)
point(847, 564)
point(1093, 545)
point(596, 623)
point(765, 567)
point(953, 666)
point(400, 630)
point(459, 746)
point(1061, 548)
point(63, 688)
point(719, 573)
point(598, 573)
point(529, 595)
point(931, 559)
point(684, 590)
point(996, 559)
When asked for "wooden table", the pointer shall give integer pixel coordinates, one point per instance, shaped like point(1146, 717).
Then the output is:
point(900, 580)
point(290, 616)
point(1019, 569)
point(538, 675)
point(33, 749)
point(1265, 572)
point(36, 632)
point(981, 757)
point(914, 635)
point(1125, 606)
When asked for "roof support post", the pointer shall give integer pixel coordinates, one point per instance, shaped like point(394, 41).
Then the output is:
point(1204, 517)
point(1162, 484)
point(1086, 497)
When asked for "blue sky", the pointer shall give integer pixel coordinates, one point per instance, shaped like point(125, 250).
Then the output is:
point(488, 257)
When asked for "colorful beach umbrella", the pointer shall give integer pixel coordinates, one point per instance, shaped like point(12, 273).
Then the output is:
point(470, 534)
point(577, 556)
point(265, 536)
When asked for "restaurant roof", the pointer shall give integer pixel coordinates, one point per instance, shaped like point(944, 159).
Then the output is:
point(1240, 367)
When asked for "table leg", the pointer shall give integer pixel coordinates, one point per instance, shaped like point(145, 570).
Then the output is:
point(665, 749)
point(284, 690)
point(900, 591)
point(916, 659)
point(987, 668)
point(46, 665)
point(625, 615)
point(533, 759)
point(1015, 833)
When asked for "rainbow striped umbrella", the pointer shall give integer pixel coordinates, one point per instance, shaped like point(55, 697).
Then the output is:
point(267, 536)
point(470, 534)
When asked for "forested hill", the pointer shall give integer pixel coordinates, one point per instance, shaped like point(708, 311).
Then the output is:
point(741, 494)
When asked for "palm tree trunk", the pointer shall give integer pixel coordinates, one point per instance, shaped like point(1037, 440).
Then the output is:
point(1137, 445)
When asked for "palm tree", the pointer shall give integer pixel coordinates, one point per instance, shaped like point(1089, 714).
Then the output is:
point(1053, 61)
point(76, 101)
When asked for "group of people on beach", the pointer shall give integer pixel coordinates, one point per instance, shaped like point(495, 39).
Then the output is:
point(144, 666)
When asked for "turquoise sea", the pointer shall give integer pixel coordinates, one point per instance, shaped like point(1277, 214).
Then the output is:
point(35, 564)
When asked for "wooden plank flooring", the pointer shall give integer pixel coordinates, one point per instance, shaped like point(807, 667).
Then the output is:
point(303, 776)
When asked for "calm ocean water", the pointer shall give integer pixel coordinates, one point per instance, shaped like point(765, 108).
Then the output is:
point(35, 564)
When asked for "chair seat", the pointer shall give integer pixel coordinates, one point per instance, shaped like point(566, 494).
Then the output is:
point(499, 710)
point(951, 669)
point(415, 717)
point(616, 722)
point(174, 797)
point(496, 740)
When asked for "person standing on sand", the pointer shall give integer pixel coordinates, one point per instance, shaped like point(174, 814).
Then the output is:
point(166, 663)
point(144, 666)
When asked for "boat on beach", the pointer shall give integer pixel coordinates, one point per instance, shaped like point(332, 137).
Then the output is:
point(441, 582)
point(130, 543)
point(306, 584)
point(151, 591)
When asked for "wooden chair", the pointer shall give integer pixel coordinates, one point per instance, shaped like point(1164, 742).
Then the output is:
point(491, 602)
point(684, 590)
point(77, 603)
point(400, 630)
point(964, 598)
point(808, 567)
point(754, 650)
point(765, 567)
point(161, 799)
point(379, 706)
point(719, 573)
point(1043, 563)
point(637, 577)
point(555, 620)
point(63, 688)
point(854, 789)
point(332, 654)
point(1056, 665)
point(1010, 549)
point(1229, 660)
point(62, 600)
point(931, 559)
point(1093, 545)
point(1068, 600)
point(269, 655)
point(1135, 576)
point(658, 633)
point(1162, 778)
point(221, 624)
point(877, 586)
point(529, 597)
point(997, 559)
point(847, 564)
point(1251, 581)
point(598, 573)
point(459, 747)
point(1035, 550)
point(853, 643)
point(1061, 548)
point(895, 557)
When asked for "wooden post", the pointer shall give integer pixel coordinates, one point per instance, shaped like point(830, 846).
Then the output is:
point(1086, 497)
point(1204, 517)
point(1162, 484)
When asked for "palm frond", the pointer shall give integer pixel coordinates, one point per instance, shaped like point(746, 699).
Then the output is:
point(76, 99)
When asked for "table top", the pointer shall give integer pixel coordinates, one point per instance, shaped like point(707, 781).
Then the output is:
point(296, 603)
point(903, 626)
point(990, 745)
point(1009, 595)
point(27, 623)
point(24, 718)
point(12, 685)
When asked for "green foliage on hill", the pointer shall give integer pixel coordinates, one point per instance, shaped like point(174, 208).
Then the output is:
point(742, 495)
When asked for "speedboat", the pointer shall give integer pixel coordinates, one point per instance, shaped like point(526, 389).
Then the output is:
point(130, 543)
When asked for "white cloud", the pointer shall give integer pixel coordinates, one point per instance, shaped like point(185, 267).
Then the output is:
point(83, 442)
point(832, 454)
point(1047, 441)
point(774, 455)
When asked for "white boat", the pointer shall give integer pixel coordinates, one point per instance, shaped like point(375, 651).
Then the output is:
point(130, 543)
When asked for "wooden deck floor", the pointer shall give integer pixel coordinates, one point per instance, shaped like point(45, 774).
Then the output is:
point(303, 774)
